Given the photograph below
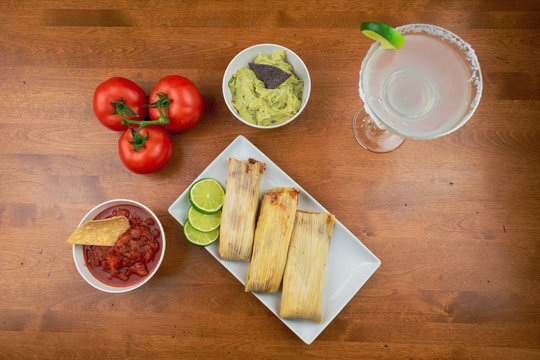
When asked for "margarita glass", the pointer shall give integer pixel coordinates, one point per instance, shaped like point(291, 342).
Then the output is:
point(428, 88)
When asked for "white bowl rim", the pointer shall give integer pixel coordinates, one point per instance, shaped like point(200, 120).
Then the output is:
point(98, 284)
point(305, 95)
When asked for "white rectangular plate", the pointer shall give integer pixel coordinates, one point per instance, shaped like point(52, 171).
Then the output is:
point(350, 263)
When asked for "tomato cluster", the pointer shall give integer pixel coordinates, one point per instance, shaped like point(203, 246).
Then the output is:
point(145, 146)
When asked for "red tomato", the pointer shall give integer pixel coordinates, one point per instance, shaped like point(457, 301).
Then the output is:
point(186, 104)
point(152, 157)
point(115, 89)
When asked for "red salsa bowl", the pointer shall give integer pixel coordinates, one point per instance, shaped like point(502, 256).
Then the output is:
point(133, 259)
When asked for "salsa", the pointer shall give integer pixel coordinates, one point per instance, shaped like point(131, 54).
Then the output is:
point(134, 255)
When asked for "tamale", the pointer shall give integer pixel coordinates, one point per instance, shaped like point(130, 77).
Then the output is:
point(272, 238)
point(305, 270)
point(240, 209)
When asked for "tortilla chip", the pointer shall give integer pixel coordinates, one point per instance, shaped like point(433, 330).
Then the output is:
point(271, 76)
point(100, 232)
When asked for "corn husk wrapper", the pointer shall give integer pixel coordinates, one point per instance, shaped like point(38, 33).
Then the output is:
point(239, 211)
point(272, 238)
point(305, 271)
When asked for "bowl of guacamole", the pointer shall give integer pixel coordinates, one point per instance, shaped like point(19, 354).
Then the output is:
point(266, 86)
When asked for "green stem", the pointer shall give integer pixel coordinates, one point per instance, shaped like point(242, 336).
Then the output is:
point(162, 105)
point(160, 121)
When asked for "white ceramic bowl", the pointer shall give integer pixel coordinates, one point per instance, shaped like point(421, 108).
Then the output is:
point(78, 254)
point(248, 55)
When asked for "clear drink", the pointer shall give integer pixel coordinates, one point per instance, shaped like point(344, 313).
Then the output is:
point(428, 88)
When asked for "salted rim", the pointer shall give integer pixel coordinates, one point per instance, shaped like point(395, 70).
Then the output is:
point(469, 56)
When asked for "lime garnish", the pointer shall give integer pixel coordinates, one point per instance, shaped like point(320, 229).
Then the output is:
point(389, 37)
point(199, 238)
point(203, 222)
point(206, 195)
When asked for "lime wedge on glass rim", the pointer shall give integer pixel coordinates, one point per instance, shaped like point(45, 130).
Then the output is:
point(199, 238)
point(206, 195)
point(204, 222)
point(389, 37)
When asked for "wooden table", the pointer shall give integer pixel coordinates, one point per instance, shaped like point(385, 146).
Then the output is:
point(455, 221)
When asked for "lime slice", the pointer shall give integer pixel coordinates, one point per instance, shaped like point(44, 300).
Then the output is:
point(390, 38)
point(199, 238)
point(203, 222)
point(206, 195)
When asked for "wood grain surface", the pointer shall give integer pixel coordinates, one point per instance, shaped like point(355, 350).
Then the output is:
point(455, 221)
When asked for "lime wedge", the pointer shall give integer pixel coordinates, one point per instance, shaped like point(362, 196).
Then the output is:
point(206, 195)
point(199, 238)
point(203, 222)
point(389, 37)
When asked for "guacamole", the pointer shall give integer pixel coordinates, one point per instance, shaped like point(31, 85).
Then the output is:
point(262, 106)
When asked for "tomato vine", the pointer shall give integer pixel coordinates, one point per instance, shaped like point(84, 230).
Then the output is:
point(122, 109)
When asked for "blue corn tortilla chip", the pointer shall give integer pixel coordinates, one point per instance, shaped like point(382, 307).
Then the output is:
point(271, 76)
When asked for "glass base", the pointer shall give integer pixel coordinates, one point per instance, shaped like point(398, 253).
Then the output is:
point(372, 137)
